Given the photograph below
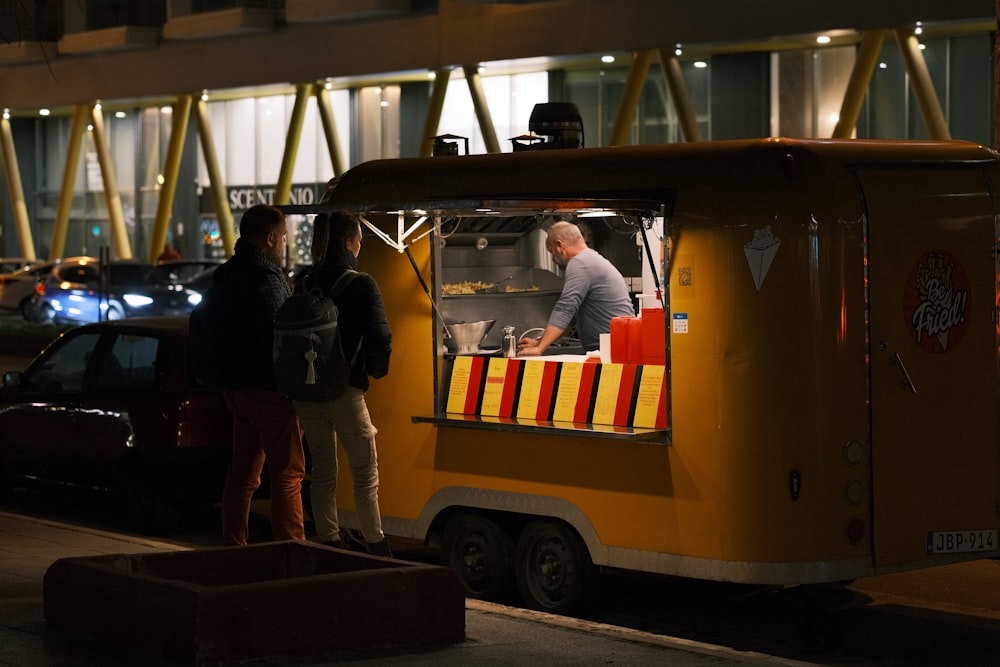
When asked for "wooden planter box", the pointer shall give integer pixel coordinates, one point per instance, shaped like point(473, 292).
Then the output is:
point(279, 598)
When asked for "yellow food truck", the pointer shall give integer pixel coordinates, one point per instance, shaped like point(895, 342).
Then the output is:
point(812, 396)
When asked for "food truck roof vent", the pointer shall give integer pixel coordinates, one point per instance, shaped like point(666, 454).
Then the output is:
point(552, 125)
point(443, 144)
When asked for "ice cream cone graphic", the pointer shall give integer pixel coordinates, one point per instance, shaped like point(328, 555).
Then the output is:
point(760, 253)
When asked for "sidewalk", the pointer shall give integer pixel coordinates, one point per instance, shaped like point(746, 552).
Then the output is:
point(495, 634)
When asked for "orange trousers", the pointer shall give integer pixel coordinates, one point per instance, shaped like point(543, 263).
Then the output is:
point(265, 427)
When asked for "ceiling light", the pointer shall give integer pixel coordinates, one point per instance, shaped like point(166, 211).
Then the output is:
point(607, 59)
point(44, 112)
point(823, 39)
point(700, 64)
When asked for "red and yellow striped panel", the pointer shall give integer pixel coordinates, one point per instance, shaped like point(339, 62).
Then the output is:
point(535, 390)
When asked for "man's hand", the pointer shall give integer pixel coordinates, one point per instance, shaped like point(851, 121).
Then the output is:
point(528, 347)
point(531, 347)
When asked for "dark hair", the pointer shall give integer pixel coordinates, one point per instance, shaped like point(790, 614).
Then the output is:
point(330, 233)
point(259, 221)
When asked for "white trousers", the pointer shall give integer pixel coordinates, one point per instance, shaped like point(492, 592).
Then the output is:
point(344, 419)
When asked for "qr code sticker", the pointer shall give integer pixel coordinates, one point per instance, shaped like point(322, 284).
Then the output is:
point(684, 276)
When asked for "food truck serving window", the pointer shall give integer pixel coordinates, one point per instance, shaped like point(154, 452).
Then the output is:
point(495, 282)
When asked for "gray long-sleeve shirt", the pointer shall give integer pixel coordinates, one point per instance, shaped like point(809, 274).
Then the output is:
point(594, 291)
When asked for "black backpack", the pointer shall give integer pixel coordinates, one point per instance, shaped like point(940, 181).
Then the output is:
point(309, 360)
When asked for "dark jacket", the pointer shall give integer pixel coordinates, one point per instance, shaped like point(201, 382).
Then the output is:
point(253, 287)
point(361, 317)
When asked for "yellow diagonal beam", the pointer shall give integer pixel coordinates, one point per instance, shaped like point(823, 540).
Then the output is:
point(630, 97)
point(171, 168)
point(923, 87)
point(857, 86)
point(66, 192)
point(679, 94)
point(482, 109)
point(16, 189)
point(434, 108)
point(283, 189)
point(330, 130)
point(217, 186)
point(116, 216)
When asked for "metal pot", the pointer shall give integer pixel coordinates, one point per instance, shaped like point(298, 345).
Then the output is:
point(466, 336)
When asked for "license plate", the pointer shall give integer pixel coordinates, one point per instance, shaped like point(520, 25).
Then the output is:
point(961, 541)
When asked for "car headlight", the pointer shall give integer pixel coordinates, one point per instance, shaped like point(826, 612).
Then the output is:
point(194, 298)
point(137, 300)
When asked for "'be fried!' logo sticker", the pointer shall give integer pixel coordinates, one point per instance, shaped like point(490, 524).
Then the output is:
point(936, 301)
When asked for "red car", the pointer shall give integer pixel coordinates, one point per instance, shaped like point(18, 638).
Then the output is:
point(113, 406)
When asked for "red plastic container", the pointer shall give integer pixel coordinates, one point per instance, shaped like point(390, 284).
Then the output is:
point(635, 355)
point(626, 340)
point(654, 343)
point(619, 339)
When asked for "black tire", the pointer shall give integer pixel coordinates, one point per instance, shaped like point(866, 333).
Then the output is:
point(27, 308)
point(554, 570)
point(45, 314)
point(143, 503)
point(482, 555)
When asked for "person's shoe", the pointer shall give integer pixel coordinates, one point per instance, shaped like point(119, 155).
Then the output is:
point(380, 548)
point(336, 544)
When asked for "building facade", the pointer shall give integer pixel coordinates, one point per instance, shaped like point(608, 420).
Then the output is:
point(130, 125)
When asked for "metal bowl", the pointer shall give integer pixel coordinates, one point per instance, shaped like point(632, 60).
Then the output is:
point(466, 336)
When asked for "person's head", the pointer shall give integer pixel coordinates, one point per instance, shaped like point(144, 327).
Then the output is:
point(564, 241)
point(336, 238)
point(264, 227)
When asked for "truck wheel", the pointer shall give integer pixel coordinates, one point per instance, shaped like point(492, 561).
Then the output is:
point(482, 555)
point(554, 570)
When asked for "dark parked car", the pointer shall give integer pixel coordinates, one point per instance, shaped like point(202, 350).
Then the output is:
point(11, 264)
point(76, 292)
point(113, 406)
point(185, 270)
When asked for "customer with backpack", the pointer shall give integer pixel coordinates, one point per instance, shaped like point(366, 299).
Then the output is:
point(231, 339)
point(366, 339)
